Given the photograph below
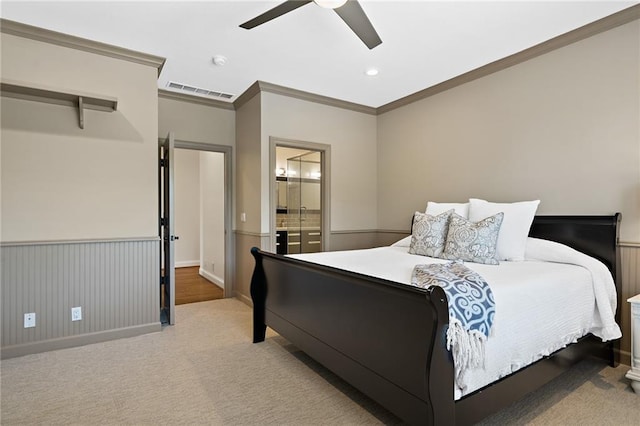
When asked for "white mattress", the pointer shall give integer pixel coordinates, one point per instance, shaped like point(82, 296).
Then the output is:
point(540, 306)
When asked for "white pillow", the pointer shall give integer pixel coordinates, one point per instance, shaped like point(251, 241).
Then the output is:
point(512, 240)
point(435, 209)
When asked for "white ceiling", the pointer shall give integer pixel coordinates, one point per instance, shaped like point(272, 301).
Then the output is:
point(311, 48)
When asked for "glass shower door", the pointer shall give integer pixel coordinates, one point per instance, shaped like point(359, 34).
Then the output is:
point(294, 241)
point(304, 203)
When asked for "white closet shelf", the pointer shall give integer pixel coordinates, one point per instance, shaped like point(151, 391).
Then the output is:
point(80, 100)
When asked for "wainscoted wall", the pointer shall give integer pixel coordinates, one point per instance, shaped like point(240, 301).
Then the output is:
point(630, 259)
point(339, 240)
point(245, 263)
point(351, 240)
point(115, 282)
point(388, 237)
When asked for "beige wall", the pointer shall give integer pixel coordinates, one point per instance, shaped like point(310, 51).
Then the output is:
point(195, 122)
point(249, 188)
point(283, 154)
point(248, 195)
point(187, 207)
point(212, 216)
point(60, 182)
point(562, 128)
point(352, 137)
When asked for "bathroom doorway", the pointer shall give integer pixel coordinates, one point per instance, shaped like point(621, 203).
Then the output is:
point(299, 204)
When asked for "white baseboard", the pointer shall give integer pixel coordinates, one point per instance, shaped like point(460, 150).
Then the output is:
point(211, 277)
point(187, 263)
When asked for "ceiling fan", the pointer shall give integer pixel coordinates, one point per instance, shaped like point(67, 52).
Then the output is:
point(349, 10)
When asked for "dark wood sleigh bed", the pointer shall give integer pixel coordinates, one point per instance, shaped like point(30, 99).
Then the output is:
point(389, 340)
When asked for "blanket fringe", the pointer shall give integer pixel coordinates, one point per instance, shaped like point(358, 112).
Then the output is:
point(467, 348)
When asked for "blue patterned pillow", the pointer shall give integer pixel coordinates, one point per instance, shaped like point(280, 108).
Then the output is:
point(429, 233)
point(473, 241)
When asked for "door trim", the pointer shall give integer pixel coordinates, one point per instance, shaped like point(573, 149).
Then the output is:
point(325, 177)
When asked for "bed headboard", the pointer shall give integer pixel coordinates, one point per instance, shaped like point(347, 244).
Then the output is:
point(596, 236)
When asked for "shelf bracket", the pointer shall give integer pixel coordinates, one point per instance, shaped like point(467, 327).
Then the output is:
point(78, 100)
point(81, 112)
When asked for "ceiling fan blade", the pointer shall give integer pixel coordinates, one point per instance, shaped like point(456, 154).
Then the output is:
point(279, 10)
point(353, 15)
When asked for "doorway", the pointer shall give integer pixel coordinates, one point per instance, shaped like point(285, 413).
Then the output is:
point(300, 196)
point(198, 205)
point(199, 222)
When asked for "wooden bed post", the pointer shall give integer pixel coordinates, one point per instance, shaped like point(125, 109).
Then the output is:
point(259, 297)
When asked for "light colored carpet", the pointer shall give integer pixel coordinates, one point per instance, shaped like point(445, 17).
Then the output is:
point(205, 370)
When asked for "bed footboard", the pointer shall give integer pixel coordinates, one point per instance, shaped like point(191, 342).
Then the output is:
point(387, 340)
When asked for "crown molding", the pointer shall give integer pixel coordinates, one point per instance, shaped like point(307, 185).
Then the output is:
point(625, 16)
point(200, 100)
point(607, 23)
point(610, 22)
point(78, 43)
point(306, 96)
point(262, 86)
point(247, 95)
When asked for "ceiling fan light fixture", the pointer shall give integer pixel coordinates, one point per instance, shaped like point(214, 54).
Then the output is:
point(371, 72)
point(330, 4)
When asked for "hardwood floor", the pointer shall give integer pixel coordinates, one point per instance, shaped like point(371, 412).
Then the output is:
point(191, 287)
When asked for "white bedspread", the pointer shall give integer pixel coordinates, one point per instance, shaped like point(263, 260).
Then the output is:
point(542, 304)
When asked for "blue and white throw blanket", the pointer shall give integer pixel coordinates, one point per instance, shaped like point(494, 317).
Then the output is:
point(471, 311)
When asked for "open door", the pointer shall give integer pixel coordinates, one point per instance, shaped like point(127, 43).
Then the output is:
point(167, 237)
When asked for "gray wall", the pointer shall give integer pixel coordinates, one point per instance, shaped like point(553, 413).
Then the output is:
point(114, 282)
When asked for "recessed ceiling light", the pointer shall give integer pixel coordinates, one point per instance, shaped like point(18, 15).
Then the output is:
point(371, 72)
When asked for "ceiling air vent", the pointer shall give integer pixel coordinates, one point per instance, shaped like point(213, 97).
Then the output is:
point(198, 90)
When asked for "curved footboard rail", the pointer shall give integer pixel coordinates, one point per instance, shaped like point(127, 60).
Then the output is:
point(386, 339)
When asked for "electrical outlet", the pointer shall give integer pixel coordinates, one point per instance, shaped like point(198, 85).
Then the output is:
point(213, 266)
point(76, 313)
point(30, 320)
